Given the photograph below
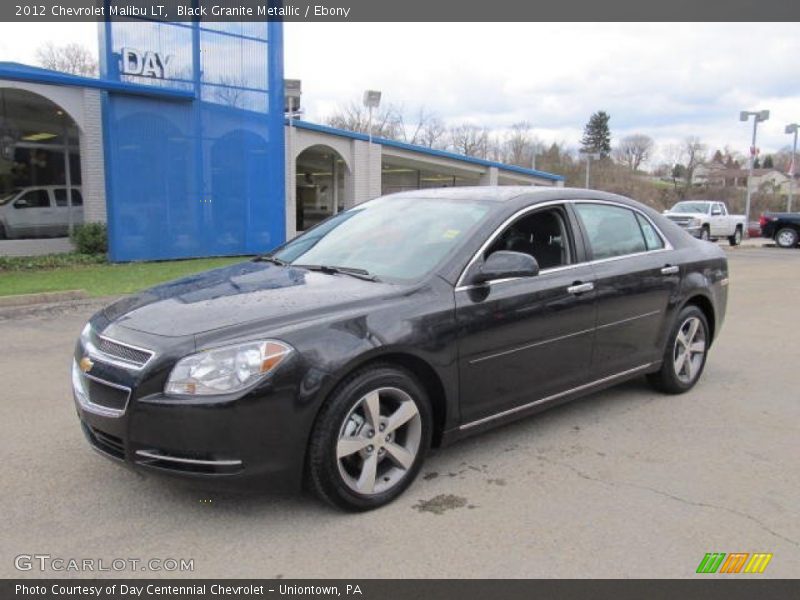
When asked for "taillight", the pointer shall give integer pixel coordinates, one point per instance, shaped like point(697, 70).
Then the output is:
point(764, 220)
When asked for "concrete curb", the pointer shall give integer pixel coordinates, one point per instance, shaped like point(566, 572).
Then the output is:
point(55, 309)
point(42, 298)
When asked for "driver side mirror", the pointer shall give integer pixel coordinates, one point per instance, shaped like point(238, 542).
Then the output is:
point(505, 264)
point(715, 212)
point(21, 203)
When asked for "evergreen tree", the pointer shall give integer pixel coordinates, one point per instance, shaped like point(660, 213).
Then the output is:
point(768, 164)
point(756, 163)
point(597, 135)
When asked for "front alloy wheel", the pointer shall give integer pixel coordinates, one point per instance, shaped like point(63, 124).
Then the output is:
point(370, 438)
point(705, 234)
point(685, 353)
point(379, 441)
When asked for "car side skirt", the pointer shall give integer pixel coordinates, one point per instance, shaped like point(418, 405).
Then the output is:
point(531, 408)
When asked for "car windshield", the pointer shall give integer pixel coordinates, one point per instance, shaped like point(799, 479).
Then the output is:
point(390, 238)
point(691, 207)
point(6, 198)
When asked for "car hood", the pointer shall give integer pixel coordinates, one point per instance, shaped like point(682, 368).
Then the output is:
point(249, 292)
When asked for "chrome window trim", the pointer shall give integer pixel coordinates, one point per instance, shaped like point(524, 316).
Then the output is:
point(461, 287)
point(95, 352)
point(552, 397)
point(98, 409)
point(188, 461)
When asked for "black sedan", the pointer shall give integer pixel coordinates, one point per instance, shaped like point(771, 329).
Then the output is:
point(406, 322)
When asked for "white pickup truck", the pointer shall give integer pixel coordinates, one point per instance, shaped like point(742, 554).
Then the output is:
point(708, 220)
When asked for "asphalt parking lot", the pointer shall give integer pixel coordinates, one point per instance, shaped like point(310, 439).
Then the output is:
point(625, 483)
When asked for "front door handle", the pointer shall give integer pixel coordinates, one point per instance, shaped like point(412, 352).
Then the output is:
point(580, 288)
point(670, 270)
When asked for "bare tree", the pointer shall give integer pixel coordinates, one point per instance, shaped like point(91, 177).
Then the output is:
point(427, 129)
point(434, 134)
point(469, 139)
point(387, 122)
point(519, 144)
point(695, 152)
point(633, 150)
point(69, 58)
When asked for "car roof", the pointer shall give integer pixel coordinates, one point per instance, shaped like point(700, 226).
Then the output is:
point(510, 194)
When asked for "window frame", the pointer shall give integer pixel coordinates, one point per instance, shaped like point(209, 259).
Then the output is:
point(583, 254)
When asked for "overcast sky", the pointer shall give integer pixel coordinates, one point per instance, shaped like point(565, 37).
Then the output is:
point(664, 80)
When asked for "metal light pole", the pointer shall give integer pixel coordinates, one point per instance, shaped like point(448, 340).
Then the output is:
point(792, 165)
point(758, 117)
point(589, 156)
point(372, 99)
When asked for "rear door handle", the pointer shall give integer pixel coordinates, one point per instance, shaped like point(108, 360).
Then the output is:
point(580, 288)
point(670, 270)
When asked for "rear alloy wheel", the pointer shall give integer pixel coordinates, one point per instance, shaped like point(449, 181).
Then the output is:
point(370, 439)
point(705, 234)
point(736, 238)
point(786, 238)
point(685, 354)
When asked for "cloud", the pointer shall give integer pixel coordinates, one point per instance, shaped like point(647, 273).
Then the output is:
point(667, 80)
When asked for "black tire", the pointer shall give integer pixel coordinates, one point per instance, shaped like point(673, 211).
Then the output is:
point(705, 234)
point(668, 379)
point(787, 237)
point(324, 473)
point(3, 235)
point(736, 238)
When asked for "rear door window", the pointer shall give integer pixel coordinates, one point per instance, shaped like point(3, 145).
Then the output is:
point(612, 230)
point(62, 200)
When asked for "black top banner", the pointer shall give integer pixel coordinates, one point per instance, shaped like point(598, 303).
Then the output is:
point(403, 11)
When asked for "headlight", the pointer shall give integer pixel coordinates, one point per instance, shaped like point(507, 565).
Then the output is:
point(695, 222)
point(226, 369)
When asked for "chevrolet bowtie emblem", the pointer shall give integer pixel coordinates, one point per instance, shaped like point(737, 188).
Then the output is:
point(86, 364)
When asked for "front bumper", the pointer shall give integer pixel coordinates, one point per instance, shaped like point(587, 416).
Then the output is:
point(257, 436)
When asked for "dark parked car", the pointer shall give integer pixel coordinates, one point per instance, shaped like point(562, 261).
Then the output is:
point(784, 228)
point(408, 321)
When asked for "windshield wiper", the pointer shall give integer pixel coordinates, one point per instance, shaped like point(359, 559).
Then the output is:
point(331, 270)
point(271, 259)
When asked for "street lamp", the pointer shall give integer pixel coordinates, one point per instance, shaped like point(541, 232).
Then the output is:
point(759, 116)
point(792, 165)
point(372, 99)
point(589, 157)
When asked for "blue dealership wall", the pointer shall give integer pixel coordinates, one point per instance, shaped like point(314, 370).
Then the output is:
point(200, 174)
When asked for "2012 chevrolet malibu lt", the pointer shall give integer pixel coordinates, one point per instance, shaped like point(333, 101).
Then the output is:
point(406, 322)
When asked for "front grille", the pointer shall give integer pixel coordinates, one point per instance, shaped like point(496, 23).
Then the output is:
point(682, 221)
point(134, 356)
point(105, 442)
